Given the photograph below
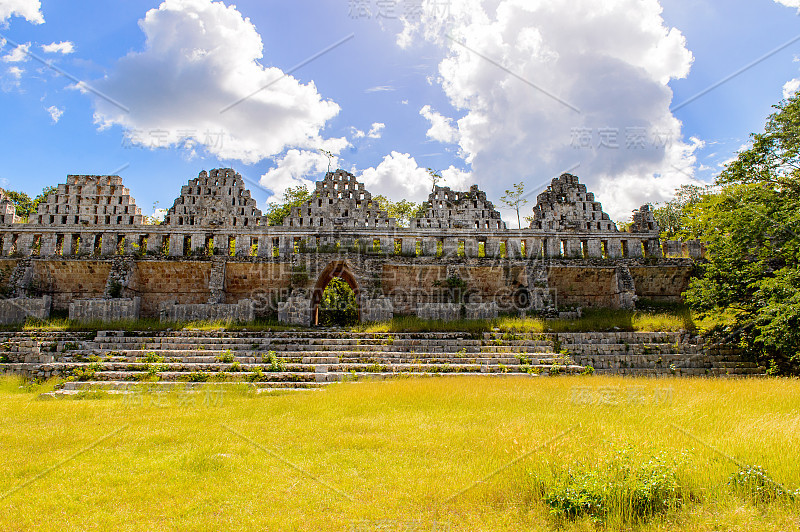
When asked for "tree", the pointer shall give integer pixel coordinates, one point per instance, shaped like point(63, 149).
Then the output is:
point(23, 204)
point(435, 177)
point(513, 198)
point(674, 216)
point(292, 197)
point(403, 211)
point(751, 229)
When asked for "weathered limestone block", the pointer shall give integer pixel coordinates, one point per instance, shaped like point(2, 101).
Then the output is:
point(376, 309)
point(105, 309)
point(481, 311)
point(243, 311)
point(296, 310)
point(626, 288)
point(439, 311)
point(18, 309)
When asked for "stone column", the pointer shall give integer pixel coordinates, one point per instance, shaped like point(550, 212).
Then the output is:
point(513, 248)
point(24, 243)
point(243, 244)
point(429, 246)
point(635, 247)
point(593, 248)
point(87, 243)
point(48, 247)
point(409, 246)
point(471, 247)
point(198, 241)
point(175, 245)
point(492, 248)
point(154, 243)
point(450, 247)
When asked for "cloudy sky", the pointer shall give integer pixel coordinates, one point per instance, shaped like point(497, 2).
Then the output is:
point(634, 96)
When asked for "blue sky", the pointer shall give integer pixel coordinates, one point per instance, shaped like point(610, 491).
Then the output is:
point(487, 91)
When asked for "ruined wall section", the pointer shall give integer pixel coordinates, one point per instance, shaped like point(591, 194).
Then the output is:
point(567, 206)
point(214, 199)
point(452, 209)
point(89, 200)
point(8, 213)
point(339, 202)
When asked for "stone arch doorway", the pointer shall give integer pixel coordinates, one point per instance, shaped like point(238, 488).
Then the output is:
point(338, 269)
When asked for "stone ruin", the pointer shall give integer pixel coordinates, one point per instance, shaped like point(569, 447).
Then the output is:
point(215, 199)
point(339, 202)
point(89, 200)
point(215, 252)
point(8, 213)
point(449, 209)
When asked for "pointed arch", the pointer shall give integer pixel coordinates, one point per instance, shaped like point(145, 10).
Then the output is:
point(338, 269)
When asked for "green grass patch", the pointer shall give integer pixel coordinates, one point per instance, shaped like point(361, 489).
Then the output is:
point(467, 454)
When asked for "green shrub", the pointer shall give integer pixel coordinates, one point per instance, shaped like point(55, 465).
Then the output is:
point(754, 482)
point(226, 357)
point(620, 491)
point(275, 363)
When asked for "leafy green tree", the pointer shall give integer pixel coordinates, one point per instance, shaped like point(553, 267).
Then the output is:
point(403, 211)
point(751, 230)
point(24, 205)
point(513, 198)
point(292, 197)
point(338, 305)
point(674, 217)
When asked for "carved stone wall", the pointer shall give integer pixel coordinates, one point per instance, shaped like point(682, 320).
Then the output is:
point(88, 241)
point(339, 201)
point(451, 209)
point(8, 213)
point(567, 206)
point(215, 199)
point(89, 200)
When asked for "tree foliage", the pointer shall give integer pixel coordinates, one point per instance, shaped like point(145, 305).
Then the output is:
point(403, 211)
point(292, 197)
point(513, 198)
point(751, 229)
point(24, 205)
point(675, 217)
point(338, 306)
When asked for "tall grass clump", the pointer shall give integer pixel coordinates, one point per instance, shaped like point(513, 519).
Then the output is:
point(622, 490)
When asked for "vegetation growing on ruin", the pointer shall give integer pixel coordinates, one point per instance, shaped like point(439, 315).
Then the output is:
point(501, 454)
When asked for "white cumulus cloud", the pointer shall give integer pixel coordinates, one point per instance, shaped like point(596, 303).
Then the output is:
point(376, 130)
point(30, 10)
point(398, 176)
point(19, 54)
point(63, 47)
point(544, 86)
point(441, 127)
point(15, 72)
point(294, 169)
point(791, 86)
point(55, 113)
point(200, 58)
point(790, 3)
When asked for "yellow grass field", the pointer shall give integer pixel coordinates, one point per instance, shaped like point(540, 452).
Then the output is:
point(435, 454)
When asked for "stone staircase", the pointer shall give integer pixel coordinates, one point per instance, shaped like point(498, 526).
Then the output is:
point(300, 359)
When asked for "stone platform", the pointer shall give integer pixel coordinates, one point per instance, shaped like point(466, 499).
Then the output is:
point(118, 361)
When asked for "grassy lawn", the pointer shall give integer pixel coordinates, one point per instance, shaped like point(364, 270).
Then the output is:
point(571, 453)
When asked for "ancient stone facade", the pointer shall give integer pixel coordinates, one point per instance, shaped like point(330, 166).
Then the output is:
point(89, 200)
point(89, 241)
point(449, 209)
point(215, 199)
point(8, 213)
